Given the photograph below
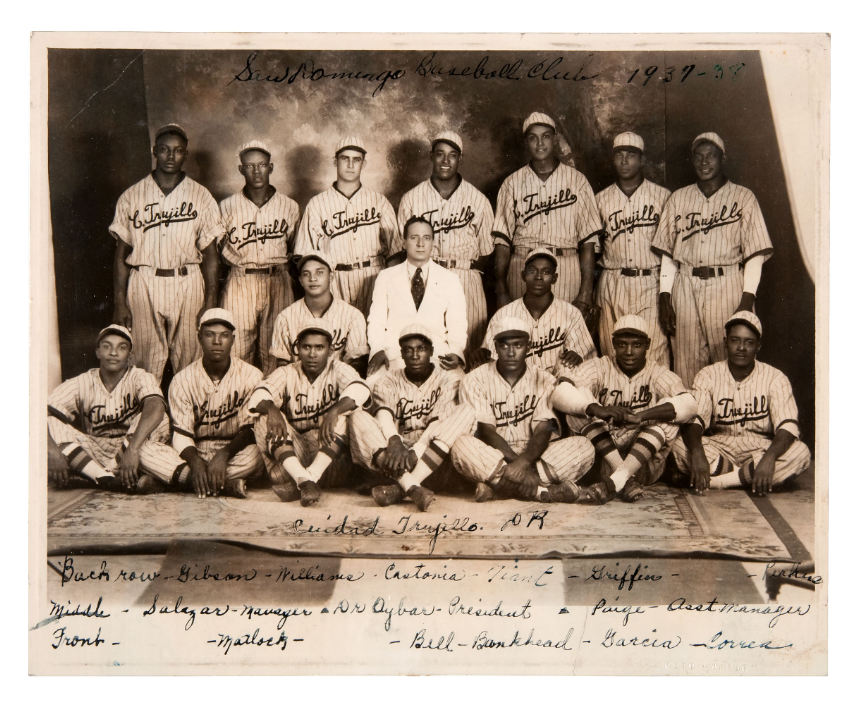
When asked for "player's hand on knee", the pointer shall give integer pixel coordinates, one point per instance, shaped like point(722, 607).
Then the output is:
point(667, 314)
point(520, 470)
point(217, 469)
point(328, 426)
point(570, 359)
point(700, 475)
point(128, 468)
point(198, 478)
point(763, 475)
point(277, 428)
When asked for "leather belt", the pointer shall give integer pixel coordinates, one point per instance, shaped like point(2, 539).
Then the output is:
point(170, 273)
point(706, 271)
point(558, 251)
point(636, 272)
point(356, 265)
point(454, 264)
point(266, 269)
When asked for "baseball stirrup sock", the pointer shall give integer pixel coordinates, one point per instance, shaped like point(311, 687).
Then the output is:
point(722, 466)
point(296, 471)
point(319, 465)
point(180, 476)
point(737, 476)
point(81, 463)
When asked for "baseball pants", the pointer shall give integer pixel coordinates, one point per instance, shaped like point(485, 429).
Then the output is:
point(355, 286)
point(569, 275)
point(164, 311)
point(245, 463)
point(475, 300)
point(738, 450)
point(702, 307)
point(619, 295)
point(255, 299)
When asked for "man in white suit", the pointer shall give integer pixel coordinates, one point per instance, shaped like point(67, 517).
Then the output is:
point(417, 291)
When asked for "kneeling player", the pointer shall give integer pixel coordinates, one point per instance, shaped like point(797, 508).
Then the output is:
point(302, 429)
point(631, 413)
point(515, 453)
point(100, 423)
point(746, 432)
point(418, 420)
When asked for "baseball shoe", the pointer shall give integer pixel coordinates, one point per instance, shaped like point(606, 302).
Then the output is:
point(388, 494)
point(287, 491)
point(421, 497)
point(483, 492)
point(564, 492)
point(147, 485)
point(109, 483)
point(235, 487)
point(632, 490)
point(309, 493)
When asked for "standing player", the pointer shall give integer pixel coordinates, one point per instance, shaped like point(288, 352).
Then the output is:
point(318, 308)
point(559, 337)
point(632, 414)
point(355, 225)
point(630, 280)
point(418, 420)
point(515, 453)
point(166, 227)
point(301, 429)
point(713, 240)
point(461, 219)
point(259, 226)
point(546, 204)
point(100, 423)
point(746, 432)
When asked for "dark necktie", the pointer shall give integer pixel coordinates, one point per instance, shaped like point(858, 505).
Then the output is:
point(418, 288)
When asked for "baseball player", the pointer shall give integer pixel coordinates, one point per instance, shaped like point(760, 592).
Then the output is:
point(632, 412)
point(319, 308)
point(418, 420)
point(516, 453)
point(259, 226)
point(630, 277)
point(461, 218)
point(105, 424)
point(713, 240)
point(746, 432)
point(559, 337)
point(546, 204)
point(212, 427)
point(352, 223)
point(166, 265)
point(301, 427)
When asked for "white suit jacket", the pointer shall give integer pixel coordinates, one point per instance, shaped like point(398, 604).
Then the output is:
point(442, 311)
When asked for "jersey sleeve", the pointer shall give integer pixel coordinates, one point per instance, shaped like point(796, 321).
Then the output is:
point(147, 386)
point(449, 398)
point(782, 405)
point(64, 401)
point(275, 386)
point(403, 214)
point(384, 394)
point(307, 231)
point(587, 375)
point(579, 339)
point(471, 392)
point(390, 237)
point(663, 241)
point(280, 343)
point(119, 227)
point(225, 220)
point(703, 390)
point(504, 224)
point(485, 221)
point(347, 376)
point(754, 231)
point(211, 229)
point(544, 412)
point(668, 384)
point(356, 344)
point(181, 408)
point(590, 223)
point(293, 224)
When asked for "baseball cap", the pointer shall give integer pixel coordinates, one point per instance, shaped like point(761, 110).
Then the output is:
point(415, 330)
point(711, 137)
point(628, 139)
point(171, 128)
point(311, 329)
point(350, 142)
point(257, 145)
point(217, 315)
point(450, 137)
point(747, 318)
point(540, 251)
point(511, 327)
point(321, 256)
point(537, 118)
point(631, 324)
point(119, 330)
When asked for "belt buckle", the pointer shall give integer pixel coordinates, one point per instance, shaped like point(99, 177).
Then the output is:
point(182, 271)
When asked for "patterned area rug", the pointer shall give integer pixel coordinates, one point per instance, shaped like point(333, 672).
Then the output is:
point(666, 522)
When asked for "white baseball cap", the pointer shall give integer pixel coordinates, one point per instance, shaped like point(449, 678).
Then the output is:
point(257, 145)
point(170, 128)
point(537, 118)
point(746, 317)
point(321, 256)
point(313, 329)
point(628, 139)
point(119, 330)
point(711, 137)
point(541, 251)
point(450, 137)
point(511, 326)
point(350, 142)
point(416, 330)
point(631, 324)
point(217, 315)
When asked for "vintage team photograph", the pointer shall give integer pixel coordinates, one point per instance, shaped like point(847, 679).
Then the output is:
point(443, 347)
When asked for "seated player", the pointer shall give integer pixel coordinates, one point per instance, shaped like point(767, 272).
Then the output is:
point(515, 453)
point(746, 432)
point(302, 429)
point(559, 337)
point(418, 420)
point(319, 308)
point(212, 428)
point(631, 413)
point(103, 423)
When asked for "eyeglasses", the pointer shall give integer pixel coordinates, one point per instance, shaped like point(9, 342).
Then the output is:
point(255, 167)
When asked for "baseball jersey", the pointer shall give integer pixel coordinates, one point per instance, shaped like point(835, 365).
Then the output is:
point(351, 229)
point(725, 229)
point(560, 328)
point(513, 411)
point(302, 401)
point(462, 223)
point(760, 404)
point(203, 409)
point(414, 407)
point(256, 236)
point(558, 212)
point(166, 231)
point(85, 403)
point(629, 224)
point(345, 322)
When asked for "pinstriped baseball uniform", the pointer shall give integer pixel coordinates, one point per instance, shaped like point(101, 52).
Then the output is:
point(560, 328)
point(629, 224)
point(724, 231)
point(254, 240)
point(345, 322)
point(741, 418)
point(515, 412)
point(645, 389)
point(357, 232)
point(462, 225)
point(559, 213)
point(165, 232)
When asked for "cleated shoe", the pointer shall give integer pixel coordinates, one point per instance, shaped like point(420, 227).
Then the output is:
point(310, 493)
point(388, 494)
